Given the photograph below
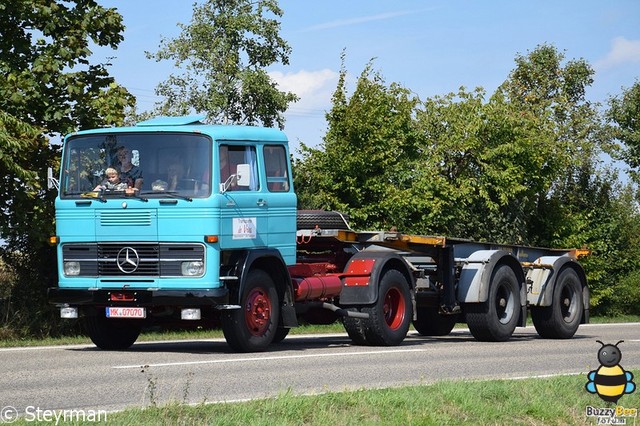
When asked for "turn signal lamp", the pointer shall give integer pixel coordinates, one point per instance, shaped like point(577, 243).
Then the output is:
point(210, 238)
point(54, 240)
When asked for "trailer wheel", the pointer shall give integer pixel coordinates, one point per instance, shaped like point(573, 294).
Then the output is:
point(431, 323)
point(355, 328)
point(496, 319)
point(112, 334)
point(562, 318)
point(253, 327)
point(390, 316)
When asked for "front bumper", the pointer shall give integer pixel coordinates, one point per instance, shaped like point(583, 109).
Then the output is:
point(103, 297)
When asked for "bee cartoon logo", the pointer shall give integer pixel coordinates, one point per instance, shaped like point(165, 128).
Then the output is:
point(610, 381)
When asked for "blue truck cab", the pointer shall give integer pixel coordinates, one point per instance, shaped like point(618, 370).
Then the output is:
point(204, 202)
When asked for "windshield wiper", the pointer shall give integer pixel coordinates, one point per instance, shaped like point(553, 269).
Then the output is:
point(171, 194)
point(99, 195)
point(136, 194)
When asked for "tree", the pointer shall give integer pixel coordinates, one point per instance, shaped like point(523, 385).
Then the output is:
point(49, 86)
point(223, 53)
point(48, 79)
point(360, 168)
point(624, 118)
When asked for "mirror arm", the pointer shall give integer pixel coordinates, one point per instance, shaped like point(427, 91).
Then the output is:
point(227, 183)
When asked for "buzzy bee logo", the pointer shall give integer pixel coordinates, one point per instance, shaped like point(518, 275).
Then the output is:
point(610, 382)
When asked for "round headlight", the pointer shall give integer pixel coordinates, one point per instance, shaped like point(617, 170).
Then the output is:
point(192, 269)
point(72, 268)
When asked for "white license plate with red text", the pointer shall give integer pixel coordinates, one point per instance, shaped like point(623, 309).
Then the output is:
point(128, 312)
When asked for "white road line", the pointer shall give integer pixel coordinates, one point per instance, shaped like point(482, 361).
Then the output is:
point(271, 358)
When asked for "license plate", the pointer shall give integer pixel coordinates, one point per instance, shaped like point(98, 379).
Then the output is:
point(129, 312)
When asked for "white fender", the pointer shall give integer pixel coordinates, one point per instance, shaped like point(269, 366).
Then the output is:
point(542, 279)
point(475, 276)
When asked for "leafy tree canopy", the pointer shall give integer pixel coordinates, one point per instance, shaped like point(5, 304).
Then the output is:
point(222, 55)
point(624, 116)
point(48, 80)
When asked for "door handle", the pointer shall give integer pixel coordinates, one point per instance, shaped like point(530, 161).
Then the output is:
point(261, 202)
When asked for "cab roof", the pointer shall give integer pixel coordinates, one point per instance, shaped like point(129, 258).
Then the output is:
point(194, 124)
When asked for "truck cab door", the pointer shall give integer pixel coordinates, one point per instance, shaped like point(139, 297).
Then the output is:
point(243, 208)
point(282, 200)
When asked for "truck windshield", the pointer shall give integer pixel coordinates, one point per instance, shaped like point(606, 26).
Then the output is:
point(155, 164)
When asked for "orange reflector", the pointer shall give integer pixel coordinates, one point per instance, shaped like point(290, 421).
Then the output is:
point(54, 240)
point(210, 238)
point(122, 297)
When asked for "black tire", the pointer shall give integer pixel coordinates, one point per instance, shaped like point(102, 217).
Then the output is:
point(430, 323)
point(112, 334)
point(281, 333)
point(253, 327)
point(355, 328)
point(310, 219)
point(496, 319)
point(390, 316)
point(562, 318)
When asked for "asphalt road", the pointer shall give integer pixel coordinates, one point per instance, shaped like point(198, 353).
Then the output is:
point(83, 377)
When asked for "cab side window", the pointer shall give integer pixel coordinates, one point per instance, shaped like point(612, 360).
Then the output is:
point(275, 161)
point(230, 157)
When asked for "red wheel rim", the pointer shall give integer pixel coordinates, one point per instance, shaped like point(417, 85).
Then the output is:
point(393, 308)
point(257, 312)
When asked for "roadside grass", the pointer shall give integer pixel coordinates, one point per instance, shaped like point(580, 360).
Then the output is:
point(558, 400)
point(7, 341)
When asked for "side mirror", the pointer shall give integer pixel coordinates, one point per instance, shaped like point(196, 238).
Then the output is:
point(52, 182)
point(243, 175)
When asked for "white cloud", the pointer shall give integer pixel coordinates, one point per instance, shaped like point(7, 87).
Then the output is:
point(622, 51)
point(314, 88)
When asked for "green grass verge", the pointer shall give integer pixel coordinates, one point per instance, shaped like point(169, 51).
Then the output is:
point(549, 401)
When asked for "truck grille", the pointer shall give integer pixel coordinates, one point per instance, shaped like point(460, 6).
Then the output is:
point(132, 260)
point(146, 257)
point(125, 218)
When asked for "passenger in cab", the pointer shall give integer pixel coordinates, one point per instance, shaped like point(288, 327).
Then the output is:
point(129, 173)
point(112, 181)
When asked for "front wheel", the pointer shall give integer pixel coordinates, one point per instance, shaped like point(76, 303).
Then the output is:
point(562, 318)
point(390, 317)
point(254, 326)
point(496, 319)
point(112, 334)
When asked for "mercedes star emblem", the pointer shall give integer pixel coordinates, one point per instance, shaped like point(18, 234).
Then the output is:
point(128, 260)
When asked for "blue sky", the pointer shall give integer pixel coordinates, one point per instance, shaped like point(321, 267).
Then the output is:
point(429, 47)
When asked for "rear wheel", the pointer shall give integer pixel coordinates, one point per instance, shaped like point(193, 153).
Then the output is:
point(562, 318)
point(430, 323)
point(496, 319)
point(253, 327)
point(112, 334)
point(390, 317)
point(355, 328)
